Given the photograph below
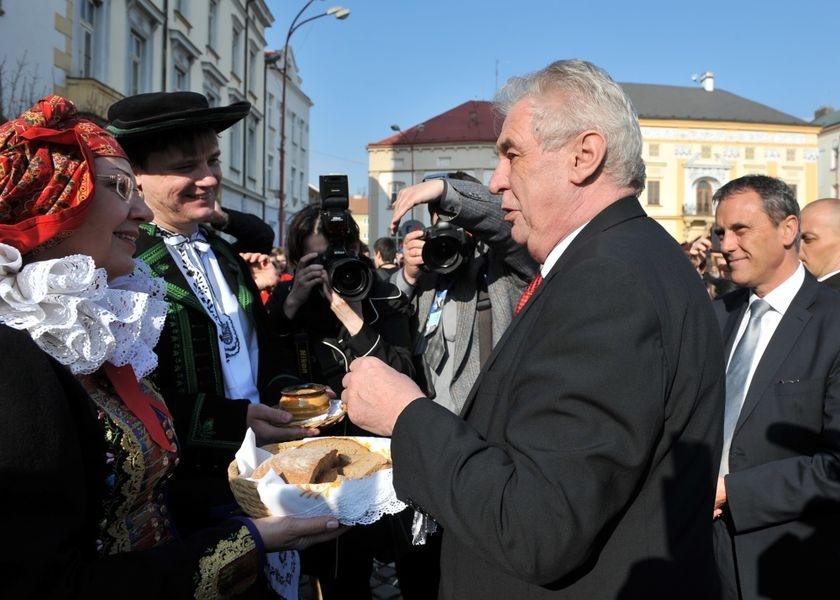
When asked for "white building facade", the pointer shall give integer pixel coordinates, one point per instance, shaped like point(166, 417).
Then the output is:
point(96, 52)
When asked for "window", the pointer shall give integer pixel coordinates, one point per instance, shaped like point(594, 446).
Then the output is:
point(270, 105)
point(87, 45)
point(706, 151)
point(396, 186)
point(269, 172)
point(236, 51)
point(183, 7)
point(252, 69)
point(213, 96)
point(790, 155)
point(251, 144)
point(236, 147)
point(704, 198)
point(792, 186)
point(653, 152)
point(212, 22)
point(652, 193)
point(749, 153)
point(136, 52)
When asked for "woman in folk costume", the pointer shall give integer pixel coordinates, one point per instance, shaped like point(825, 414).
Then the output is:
point(86, 444)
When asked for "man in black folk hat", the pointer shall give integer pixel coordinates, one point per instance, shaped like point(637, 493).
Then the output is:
point(219, 372)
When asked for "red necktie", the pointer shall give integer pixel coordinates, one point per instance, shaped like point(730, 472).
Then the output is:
point(529, 291)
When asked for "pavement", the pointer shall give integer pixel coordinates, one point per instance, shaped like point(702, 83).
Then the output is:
point(383, 584)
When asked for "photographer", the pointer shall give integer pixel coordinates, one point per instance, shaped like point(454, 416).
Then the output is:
point(327, 331)
point(464, 302)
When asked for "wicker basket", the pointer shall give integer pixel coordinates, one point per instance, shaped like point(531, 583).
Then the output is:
point(245, 490)
point(352, 501)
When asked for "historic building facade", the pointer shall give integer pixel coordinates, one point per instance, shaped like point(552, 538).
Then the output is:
point(98, 51)
point(695, 140)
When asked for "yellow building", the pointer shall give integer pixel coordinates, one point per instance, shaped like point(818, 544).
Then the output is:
point(695, 140)
point(698, 138)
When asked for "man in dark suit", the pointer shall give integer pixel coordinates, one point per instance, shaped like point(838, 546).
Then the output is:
point(777, 511)
point(583, 463)
point(819, 248)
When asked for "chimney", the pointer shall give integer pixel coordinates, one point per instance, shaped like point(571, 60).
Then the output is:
point(823, 111)
point(707, 80)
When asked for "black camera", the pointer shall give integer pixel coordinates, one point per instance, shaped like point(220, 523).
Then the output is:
point(447, 247)
point(350, 277)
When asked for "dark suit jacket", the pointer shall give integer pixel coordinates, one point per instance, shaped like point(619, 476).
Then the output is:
point(833, 281)
point(783, 489)
point(210, 426)
point(585, 460)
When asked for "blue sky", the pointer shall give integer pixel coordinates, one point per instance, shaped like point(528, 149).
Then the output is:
point(405, 61)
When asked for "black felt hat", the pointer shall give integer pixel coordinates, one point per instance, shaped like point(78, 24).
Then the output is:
point(146, 114)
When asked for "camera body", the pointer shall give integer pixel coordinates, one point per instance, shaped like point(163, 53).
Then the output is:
point(350, 277)
point(447, 247)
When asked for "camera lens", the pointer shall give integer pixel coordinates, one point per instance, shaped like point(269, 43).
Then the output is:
point(350, 278)
point(442, 254)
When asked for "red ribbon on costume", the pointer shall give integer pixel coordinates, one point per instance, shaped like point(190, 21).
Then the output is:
point(139, 402)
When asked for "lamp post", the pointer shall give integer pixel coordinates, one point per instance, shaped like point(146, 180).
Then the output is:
point(417, 131)
point(835, 146)
point(340, 13)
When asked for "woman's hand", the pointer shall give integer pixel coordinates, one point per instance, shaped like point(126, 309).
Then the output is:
point(270, 425)
point(308, 275)
point(349, 313)
point(290, 533)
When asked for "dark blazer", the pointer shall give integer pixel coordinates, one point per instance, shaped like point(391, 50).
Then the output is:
point(210, 426)
point(585, 461)
point(783, 490)
point(833, 281)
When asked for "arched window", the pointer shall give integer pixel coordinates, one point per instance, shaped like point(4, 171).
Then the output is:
point(703, 198)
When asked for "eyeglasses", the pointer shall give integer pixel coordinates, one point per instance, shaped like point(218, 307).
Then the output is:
point(122, 184)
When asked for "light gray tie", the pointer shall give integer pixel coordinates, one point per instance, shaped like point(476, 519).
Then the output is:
point(736, 377)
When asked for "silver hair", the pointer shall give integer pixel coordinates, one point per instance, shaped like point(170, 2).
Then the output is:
point(589, 100)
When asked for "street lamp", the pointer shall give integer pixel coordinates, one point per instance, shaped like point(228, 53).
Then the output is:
point(340, 13)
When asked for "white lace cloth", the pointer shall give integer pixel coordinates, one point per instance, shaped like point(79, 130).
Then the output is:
point(71, 311)
point(352, 502)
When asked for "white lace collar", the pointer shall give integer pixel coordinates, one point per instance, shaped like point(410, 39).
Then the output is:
point(73, 314)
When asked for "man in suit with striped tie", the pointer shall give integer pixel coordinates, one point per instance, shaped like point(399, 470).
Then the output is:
point(584, 461)
point(777, 517)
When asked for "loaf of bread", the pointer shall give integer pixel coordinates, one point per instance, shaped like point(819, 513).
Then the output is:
point(302, 464)
point(323, 460)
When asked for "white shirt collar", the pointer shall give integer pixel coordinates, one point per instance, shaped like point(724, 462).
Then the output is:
point(558, 250)
point(782, 295)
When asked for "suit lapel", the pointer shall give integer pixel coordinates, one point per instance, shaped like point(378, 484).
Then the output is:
point(780, 346)
point(617, 212)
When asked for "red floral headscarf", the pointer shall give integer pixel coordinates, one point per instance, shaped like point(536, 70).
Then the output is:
point(46, 172)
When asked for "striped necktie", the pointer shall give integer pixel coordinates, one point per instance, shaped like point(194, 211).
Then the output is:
point(529, 291)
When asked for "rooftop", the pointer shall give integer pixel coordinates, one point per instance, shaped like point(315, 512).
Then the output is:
point(478, 121)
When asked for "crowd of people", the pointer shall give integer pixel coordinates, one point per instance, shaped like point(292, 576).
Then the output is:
point(578, 407)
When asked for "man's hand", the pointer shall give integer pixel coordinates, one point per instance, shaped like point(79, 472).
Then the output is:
point(376, 394)
point(720, 498)
point(269, 425)
point(699, 252)
point(262, 269)
point(219, 218)
point(411, 196)
point(413, 256)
